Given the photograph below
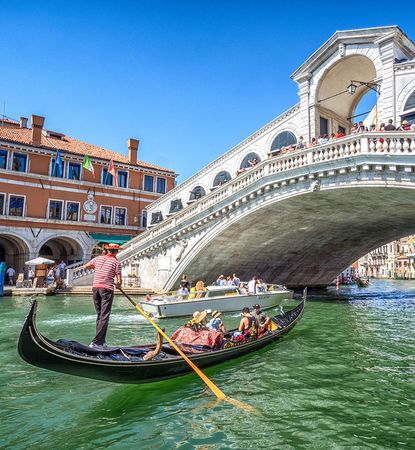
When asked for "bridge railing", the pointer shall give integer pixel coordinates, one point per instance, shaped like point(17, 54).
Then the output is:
point(399, 142)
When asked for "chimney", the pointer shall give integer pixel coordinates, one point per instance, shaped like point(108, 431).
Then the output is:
point(37, 126)
point(133, 150)
point(23, 122)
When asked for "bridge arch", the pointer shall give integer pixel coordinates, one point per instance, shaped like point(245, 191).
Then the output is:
point(284, 138)
point(197, 192)
point(266, 237)
point(244, 164)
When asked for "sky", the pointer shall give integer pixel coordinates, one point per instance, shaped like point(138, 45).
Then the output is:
point(190, 79)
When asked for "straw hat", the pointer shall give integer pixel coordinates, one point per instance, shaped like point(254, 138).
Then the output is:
point(216, 314)
point(201, 316)
point(112, 246)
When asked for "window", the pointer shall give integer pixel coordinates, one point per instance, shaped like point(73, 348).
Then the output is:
point(249, 160)
point(107, 178)
point(2, 203)
point(221, 178)
point(144, 219)
point(122, 178)
point(148, 183)
point(19, 162)
point(72, 211)
point(410, 103)
point(283, 139)
point(106, 214)
point(120, 215)
point(161, 185)
point(74, 171)
point(16, 205)
point(156, 217)
point(55, 209)
point(3, 159)
point(176, 205)
point(57, 171)
point(196, 193)
point(324, 126)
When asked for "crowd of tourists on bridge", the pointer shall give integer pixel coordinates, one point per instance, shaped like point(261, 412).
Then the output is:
point(359, 127)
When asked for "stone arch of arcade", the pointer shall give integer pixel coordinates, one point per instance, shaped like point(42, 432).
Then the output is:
point(14, 251)
point(332, 101)
point(62, 247)
point(324, 240)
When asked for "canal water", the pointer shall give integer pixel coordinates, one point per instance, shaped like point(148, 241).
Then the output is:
point(343, 378)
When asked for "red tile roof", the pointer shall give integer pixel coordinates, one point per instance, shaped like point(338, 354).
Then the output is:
point(70, 145)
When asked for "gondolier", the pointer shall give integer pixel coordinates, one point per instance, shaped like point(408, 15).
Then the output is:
point(107, 268)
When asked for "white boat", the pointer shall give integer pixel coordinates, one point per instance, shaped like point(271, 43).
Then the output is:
point(220, 298)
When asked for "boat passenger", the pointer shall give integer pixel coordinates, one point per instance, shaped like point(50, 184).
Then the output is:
point(252, 285)
point(184, 282)
point(198, 322)
point(235, 280)
point(182, 293)
point(229, 281)
point(263, 321)
point(247, 325)
point(200, 289)
point(242, 289)
point(215, 323)
point(192, 293)
point(260, 285)
point(221, 281)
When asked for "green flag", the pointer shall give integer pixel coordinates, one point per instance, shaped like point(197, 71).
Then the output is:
point(87, 164)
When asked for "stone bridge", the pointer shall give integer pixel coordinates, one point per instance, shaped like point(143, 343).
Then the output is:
point(298, 218)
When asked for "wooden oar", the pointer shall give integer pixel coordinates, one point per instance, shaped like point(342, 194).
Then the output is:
point(219, 394)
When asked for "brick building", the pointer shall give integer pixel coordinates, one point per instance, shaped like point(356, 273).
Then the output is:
point(61, 210)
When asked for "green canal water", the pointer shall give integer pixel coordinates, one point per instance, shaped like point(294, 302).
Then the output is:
point(343, 378)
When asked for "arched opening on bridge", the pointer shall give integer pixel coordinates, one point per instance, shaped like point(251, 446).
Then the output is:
point(283, 139)
point(14, 252)
point(335, 106)
point(62, 248)
point(221, 178)
point(409, 109)
point(196, 193)
point(250, 160)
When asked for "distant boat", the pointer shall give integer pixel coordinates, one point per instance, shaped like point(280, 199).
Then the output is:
point(363, 281)
point(219, 298)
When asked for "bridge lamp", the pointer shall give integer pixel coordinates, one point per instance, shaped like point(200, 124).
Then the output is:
point(351, 89)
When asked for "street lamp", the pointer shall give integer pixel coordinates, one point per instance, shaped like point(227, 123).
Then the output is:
point(351, 89)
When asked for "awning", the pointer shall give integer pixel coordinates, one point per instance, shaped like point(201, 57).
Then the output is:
point(114, 238)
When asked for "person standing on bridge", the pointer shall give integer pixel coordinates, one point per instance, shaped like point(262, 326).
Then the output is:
point(107, 268)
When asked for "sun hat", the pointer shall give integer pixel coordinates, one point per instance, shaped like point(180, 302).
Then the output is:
point(405, 122)
point(195, 314)
point(216, 314)
point(202, 315)
point(256, 306)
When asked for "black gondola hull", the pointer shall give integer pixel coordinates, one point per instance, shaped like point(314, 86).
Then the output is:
point(39, 351)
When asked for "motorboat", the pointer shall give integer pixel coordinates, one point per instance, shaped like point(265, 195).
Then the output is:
point(220, 298)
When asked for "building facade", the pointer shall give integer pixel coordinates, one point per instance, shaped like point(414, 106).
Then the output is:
point(52, 206)
point(392, 260)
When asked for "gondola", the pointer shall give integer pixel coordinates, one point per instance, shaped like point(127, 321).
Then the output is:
point(362, 282)
point(128, 364)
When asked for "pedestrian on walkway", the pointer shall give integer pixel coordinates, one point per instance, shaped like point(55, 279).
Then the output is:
point(107, 268)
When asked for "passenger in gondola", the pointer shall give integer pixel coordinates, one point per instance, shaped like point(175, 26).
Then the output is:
point(247, 325)
point(262, 320)
point(215, 323)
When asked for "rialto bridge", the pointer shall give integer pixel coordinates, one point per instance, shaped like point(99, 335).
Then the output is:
point(300, 216)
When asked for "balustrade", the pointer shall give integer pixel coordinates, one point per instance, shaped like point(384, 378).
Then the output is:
point(377, 142)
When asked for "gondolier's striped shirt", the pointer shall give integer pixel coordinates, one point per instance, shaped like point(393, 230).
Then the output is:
point(106, 268)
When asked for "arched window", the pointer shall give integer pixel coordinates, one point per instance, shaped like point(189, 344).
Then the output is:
point(409, 110)
point(410, 103)
point(250, 160)
point(283, 139)
point(156, 217)
point(221, 178)
point(175, 205)
point(196, 193)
